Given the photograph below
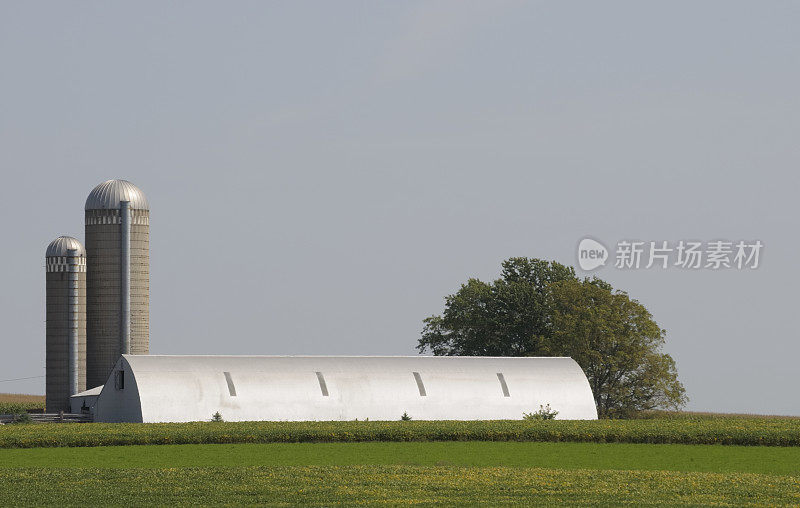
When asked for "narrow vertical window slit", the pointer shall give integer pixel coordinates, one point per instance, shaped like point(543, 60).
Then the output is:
point(420, 386)
point(231, 387)
point(503, 384)
point(323, 386)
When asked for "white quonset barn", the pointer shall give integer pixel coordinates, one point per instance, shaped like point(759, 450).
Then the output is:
point(155, 388)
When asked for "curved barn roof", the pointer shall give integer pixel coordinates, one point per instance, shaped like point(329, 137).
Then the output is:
point(107, 196)
point(296, 388)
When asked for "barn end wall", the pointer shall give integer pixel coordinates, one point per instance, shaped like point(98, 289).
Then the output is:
point(115, 404)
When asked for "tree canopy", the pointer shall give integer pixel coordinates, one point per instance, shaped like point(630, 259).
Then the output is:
point(541, 308)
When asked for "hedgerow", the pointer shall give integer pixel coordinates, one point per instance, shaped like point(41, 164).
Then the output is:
point(727, 431)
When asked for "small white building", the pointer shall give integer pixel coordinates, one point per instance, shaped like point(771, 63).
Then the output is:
point(84, 402)
point(152, 388)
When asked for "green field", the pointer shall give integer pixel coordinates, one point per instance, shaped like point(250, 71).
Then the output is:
point(350, 485)
point(687, 458)
point(668, 460)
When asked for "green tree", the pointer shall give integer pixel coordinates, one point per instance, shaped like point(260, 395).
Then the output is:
point(507, 317)
point(617, 343)
point(540, 308)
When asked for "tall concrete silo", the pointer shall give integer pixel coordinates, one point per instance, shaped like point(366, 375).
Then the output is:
point(117, 276)
point(65, 374)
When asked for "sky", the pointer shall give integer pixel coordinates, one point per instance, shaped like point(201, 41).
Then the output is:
point(322, 174)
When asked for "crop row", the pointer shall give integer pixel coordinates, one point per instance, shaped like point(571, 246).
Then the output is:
point(728, 431)
point(10, 407)
point(351, 485)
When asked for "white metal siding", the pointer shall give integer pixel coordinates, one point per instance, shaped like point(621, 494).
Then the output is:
point(193, 388)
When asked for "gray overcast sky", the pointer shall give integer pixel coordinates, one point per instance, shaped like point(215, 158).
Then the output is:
point(322, 174)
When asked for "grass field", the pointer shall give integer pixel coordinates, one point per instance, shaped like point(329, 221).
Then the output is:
point(428, 463)
point(350, 485)
point(643, 457)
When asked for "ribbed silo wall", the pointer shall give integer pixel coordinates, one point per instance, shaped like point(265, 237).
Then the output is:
point(140, 283)
point(65, 310)
point(103, 275)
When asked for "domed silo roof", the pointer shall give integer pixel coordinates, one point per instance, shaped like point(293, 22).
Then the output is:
point(108, 195)
point(61, 245)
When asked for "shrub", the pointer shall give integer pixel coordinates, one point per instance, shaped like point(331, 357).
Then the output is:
point(405, 417)
point(544, 413)
point(217, 417)
point(22, 418)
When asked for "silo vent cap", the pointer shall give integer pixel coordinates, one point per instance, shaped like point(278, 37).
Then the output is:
point(108, 195)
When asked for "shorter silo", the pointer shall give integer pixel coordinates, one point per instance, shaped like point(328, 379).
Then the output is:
point(65, 264)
